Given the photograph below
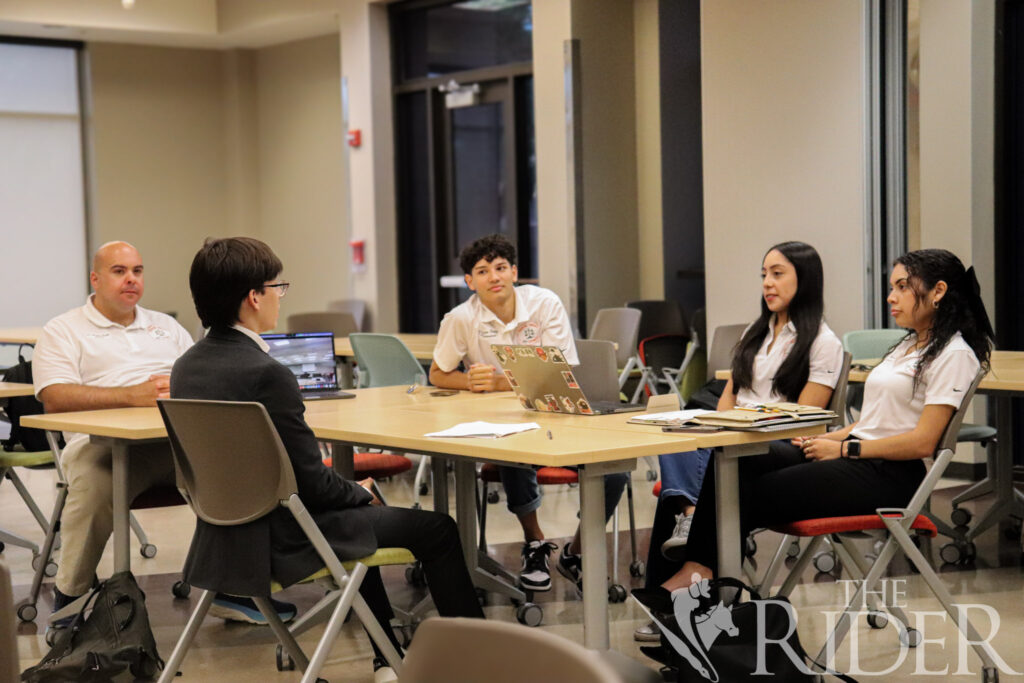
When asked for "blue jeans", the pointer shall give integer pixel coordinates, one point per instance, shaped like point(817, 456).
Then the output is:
point(523, 492)
point(683, 473)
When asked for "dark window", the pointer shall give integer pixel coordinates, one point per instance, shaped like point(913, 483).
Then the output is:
point(433, 39)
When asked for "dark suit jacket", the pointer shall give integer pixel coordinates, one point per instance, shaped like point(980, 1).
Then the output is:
point(229, 366)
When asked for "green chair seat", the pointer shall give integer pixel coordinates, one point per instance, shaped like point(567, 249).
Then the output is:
point(25, 458)
point(382, 558)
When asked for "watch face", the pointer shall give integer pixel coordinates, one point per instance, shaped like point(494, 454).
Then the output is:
point(853, 449)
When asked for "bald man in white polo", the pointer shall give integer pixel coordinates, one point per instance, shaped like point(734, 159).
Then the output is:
point(109, 353)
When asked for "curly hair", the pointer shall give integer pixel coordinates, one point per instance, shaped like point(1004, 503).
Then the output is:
point(960, 309)
point(487, 248)
point(805, 310)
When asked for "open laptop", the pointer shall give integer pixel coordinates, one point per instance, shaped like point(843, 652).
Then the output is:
point(310, 357)
point(544, 381)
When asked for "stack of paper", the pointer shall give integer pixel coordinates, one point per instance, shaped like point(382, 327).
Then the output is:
point(484, 430)
point(767, 415)
point(672, 418)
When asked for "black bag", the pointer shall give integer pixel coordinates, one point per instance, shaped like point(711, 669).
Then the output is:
point(30, 439)
point(111, 638)
point(707, 396)
point(732, 655)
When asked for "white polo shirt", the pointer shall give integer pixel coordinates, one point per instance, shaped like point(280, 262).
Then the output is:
point(468, 330)
point(891, 406)
point(84, 347)
point(825, 357)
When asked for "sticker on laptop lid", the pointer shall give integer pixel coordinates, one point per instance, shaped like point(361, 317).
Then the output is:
point(541, 353)
point(511, 379)
point(567, 404)
point(584, 407)
point(540, 405)
point(552, 403)
point(556, 355)
point(570, 380)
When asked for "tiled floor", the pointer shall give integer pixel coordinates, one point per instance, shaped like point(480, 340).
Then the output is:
point(245, 653)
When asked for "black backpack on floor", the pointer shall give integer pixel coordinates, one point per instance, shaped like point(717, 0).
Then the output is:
point(16, 407)
point(109, 638)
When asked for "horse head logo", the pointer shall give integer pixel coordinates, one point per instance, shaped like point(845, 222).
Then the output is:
point(698, 629)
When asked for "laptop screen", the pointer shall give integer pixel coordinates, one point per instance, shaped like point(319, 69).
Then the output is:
point(310, 357)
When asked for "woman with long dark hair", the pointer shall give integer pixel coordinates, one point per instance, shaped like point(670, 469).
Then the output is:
point(787, 354)
point(876, 462)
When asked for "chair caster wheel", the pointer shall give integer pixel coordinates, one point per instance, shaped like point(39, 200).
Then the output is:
point(284, 660)
point(910, 637)
point(414, 575)
point(958, 552)
point(616, 593)
point(749, 547)
point(28, 612)
point(825, 561)
point(652, 475)
point(530, 614)
point(990, 676)
point(181, 589)
point(793, 550)
point(637, 569)
point(49, 570)
point(493, 497)
point(481, 597)
point(877, 620)
point(424, 489)
point(148, 551)
point(960, 517)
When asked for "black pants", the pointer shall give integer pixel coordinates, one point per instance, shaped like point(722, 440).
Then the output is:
point(434, 539)
point(783, 486)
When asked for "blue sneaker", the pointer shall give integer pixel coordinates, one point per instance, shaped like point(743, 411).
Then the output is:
point(234, 608)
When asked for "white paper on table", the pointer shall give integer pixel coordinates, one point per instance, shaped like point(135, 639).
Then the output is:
point(674, 416)
point(484, 430)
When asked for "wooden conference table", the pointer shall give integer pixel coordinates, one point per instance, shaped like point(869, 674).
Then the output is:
point(20, 335)
point(389, 417)
point(12, 389)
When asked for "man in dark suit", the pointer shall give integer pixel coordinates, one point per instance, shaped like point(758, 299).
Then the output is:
point(237, 293)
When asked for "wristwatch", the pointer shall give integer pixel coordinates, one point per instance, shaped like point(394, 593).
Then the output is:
point(853, 449)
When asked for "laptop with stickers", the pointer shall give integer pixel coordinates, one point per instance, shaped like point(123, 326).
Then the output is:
point(310, 357)
point(545, 382)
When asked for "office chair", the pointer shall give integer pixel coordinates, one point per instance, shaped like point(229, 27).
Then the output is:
point(355, 307)
point(211, 442)
point(341, 324)
point(622, 327)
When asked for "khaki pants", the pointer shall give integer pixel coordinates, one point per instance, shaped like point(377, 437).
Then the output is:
point(88, 517)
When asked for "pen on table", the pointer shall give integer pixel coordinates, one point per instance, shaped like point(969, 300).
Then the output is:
point(549, 434)
point(411, 389)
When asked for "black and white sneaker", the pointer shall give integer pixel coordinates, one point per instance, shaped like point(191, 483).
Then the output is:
point(571, 567)
point(535, 575)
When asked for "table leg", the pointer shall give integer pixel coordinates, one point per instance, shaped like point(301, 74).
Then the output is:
point(595, 558)
point(465, 509)
point(122, 528)
point(345, 375)
point(727, 498)
point(343, 460)
point(439, 470)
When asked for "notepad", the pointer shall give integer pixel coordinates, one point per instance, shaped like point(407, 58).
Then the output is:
point(673, 418)
point(768, 414)
point(484, 430)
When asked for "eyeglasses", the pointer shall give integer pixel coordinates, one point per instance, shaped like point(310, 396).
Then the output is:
point(282, 288)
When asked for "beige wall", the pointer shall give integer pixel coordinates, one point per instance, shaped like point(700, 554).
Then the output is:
point(366, 67)
point(158, 160)
point(783, 111)
point(188, 144)
point(647, 68)
point(299, 140)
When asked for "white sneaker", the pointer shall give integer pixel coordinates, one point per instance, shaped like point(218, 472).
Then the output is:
point(383, 673)
point(648, 633)
point(535, 575)
point(679, 536)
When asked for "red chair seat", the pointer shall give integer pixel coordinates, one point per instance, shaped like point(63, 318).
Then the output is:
point(840, 525)
point(656, 491)
point(546, 476)
point(377, 465)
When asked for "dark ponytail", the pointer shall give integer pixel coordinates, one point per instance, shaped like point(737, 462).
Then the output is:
point(960, 309)
point(805, 310)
